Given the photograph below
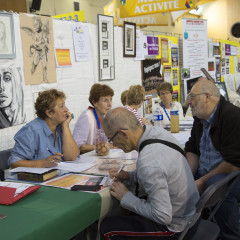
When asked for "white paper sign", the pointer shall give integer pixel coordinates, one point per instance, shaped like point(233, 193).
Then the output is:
point(81, 42)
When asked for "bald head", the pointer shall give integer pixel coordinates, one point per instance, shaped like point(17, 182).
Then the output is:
point(207, 86)
point(119, 118)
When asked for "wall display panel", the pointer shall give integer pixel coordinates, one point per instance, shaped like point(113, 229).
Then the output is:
point(7, 36)
point(38, 49)
point(106, 47)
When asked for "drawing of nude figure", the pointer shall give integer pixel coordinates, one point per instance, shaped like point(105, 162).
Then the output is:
point(39, 49)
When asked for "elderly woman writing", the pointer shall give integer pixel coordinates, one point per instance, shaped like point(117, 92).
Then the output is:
point(44, 141)
point(89, 121)
point(165, 92)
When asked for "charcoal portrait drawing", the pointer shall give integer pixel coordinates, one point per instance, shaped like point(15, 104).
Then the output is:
point(11, 97)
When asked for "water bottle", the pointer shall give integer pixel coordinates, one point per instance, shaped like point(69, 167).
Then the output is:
point(174, 114)
point(158, 117)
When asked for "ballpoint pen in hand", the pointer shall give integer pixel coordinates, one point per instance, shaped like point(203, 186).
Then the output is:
point(120, 169)
point(50, 151)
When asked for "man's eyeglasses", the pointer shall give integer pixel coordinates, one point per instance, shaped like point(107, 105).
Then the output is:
point(110, 140)
point(191, 95)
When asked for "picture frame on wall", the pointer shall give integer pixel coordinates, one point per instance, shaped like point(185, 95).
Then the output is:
point(129, 39)
point(7, 37)
point(106, 59)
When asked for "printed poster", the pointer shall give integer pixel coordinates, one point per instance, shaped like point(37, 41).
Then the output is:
point(63, 57)
point(174, 56)
point(81, 42)
point(175, 77)
point(195, 45)
point(151, 75)
point(153, 46)
point(164, 47)
point(167, 74)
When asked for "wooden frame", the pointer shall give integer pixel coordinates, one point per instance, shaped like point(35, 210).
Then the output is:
point(106, 47)
point(129, 39)
point(7, 37)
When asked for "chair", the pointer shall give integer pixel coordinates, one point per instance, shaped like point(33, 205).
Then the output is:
point(214, 195)
point(4, 155)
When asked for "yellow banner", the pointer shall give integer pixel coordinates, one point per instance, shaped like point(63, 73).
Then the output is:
point(145, 20)
point(73, 16)
point(130, 8)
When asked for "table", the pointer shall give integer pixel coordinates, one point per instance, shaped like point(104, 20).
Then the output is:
point(49, 213)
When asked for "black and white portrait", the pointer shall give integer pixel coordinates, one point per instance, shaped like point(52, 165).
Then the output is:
point(7, 39)
point(11, 97)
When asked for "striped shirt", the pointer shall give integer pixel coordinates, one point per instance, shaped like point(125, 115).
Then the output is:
point(135, 113)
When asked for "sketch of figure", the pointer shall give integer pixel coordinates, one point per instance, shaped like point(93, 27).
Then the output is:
point(39, 49)
point(3, 46)
point(11, 97)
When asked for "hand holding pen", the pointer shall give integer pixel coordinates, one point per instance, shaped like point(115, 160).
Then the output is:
point(119, 175)
point(54, 158)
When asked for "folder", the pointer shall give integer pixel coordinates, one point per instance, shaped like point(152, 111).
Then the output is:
point(7, 194)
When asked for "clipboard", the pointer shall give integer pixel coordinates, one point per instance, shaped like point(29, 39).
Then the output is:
point(7, 194)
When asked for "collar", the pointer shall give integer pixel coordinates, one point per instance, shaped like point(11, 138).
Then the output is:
point(46, 128)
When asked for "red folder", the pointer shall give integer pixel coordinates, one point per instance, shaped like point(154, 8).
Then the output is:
point(7, 194)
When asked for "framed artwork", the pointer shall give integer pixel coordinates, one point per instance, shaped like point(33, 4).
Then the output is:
point(129, 39)
point(7, 38)
point(105, 47)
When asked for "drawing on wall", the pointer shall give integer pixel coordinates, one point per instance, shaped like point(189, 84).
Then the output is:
point(105, 47)
point(11, 97)
point(7, 39)
point(38, 49)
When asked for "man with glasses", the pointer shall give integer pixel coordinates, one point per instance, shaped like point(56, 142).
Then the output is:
point(213, 149)
point(166, 185)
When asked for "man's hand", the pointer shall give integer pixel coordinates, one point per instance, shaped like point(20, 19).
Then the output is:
point(123, 175)
point(200, 185)
point(118, 190)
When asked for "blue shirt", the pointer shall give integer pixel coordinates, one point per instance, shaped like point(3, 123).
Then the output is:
point(209, 157)
point(32, 141)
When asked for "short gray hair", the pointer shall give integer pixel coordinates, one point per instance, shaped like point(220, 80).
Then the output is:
point(119, 118)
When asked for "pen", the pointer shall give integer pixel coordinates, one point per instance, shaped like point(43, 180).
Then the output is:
point(50, 151)
point(120, 169)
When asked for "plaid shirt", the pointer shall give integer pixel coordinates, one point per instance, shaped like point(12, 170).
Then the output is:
point(209, 157)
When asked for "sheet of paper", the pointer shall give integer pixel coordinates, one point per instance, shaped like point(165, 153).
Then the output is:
point(86, 159)
point(74, 167)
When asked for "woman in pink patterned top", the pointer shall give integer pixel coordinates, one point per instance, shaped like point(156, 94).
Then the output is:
point(135, 97)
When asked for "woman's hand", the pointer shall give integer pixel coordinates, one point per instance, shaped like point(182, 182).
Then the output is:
point(68, 120)
point(50, 161)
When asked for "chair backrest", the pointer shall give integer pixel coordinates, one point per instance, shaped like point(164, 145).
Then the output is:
point(4, 155)
point(214, 195)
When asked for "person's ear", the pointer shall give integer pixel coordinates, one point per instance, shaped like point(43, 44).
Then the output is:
point(208, 96)
point(48, 113)
point(124, 132)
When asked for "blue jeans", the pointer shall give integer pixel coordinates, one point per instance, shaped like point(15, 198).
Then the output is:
point(227, 216)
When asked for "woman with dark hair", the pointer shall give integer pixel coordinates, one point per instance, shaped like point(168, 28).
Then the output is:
point(165, 92)
point(44, 141)
point(89, 121)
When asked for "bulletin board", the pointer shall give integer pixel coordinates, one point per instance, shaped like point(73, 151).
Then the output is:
point(169, 51)
point(230, 63)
